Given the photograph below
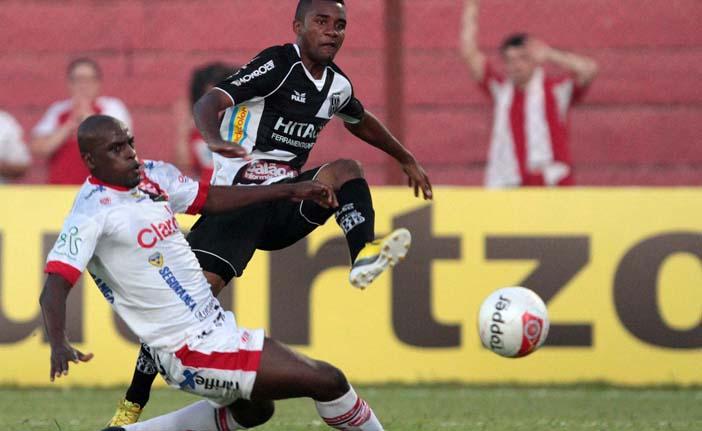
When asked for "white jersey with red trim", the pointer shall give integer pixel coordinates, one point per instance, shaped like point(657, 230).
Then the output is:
point(130, 242)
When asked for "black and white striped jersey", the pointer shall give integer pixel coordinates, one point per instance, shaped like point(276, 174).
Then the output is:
point(279, 109)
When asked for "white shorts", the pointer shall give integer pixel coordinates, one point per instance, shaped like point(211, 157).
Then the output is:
point(219, 365)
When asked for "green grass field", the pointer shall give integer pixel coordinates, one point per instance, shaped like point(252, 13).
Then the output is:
point(399, 408)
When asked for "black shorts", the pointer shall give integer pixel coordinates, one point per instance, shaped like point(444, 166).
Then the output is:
point(224, 243)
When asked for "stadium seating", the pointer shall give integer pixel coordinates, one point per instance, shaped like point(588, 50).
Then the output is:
point(639, 125)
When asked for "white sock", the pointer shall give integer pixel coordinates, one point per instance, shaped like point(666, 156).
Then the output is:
point(349, 413)
point(201, 416)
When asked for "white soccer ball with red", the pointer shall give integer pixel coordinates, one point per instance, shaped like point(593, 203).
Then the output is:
point(513, 322)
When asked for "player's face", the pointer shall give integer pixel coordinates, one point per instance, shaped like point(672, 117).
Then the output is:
point(519, 64)
point(322, 33)
point(114, 160)
point(84, 82)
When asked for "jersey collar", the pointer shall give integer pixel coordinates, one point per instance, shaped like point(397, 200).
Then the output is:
point(97, 182)
point(319, 83)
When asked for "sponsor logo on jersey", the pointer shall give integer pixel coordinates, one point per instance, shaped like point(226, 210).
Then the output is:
point(298, 97)
point(155, 232)
point(238, 124)
point(176, 287)
point(189, 381)
point(104, 288)
point(206, 311)
point(68, 243)
point(105, 201)
point(334, 103)
point(262, 70)
point(295, 129)
point(259, 171)
point(192, 379)
point(156, 259)
point(97, 189)
point(152, 189)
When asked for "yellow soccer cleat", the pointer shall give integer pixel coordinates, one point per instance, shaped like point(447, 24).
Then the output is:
point(127, 413)
point(378, 255)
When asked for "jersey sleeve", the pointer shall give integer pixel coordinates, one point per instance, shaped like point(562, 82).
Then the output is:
point(257, 79)
point(352, 112)
point(185, 195)
point(490, 78)
point(74, 247)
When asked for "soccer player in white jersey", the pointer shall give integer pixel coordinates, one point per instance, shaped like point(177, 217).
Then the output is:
point(122, 229)
point(262, 123)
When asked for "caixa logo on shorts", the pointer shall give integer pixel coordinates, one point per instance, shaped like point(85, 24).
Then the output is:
point(193, 379)
point(260, 171)
point(155, 232)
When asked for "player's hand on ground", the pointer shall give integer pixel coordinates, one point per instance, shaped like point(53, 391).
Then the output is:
point(229, 150)
point(320, 193)
point(417, 178)
point(62, 355)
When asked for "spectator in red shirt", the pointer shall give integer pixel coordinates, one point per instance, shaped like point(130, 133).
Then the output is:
point(529, 144)
point(14, 156)
point(54, 137)
point(193, 155)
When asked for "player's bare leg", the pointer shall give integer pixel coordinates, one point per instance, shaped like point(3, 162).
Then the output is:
point(282, 374)
point(356, 217)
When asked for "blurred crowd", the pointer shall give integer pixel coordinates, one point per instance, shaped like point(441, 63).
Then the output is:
point(529, 143)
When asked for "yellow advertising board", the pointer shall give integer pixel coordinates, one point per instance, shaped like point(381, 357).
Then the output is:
point(620, 270)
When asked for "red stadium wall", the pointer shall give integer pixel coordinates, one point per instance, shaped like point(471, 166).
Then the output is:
point(640, 123)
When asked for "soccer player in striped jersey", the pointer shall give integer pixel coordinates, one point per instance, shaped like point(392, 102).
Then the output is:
point(274, 109)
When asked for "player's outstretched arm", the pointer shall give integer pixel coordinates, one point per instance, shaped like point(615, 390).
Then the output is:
point(53, 308)
point(371, 130)
point(206, 114)
point(228, 198)
point(469, 40)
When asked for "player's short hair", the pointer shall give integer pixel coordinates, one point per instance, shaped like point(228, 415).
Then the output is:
point(93, 129)
point(206, 75)
point(514, 40)
point(304, 5)
point(84, 60)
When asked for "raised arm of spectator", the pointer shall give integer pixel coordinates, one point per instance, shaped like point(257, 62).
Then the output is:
point(469, 40)
point(45, 145)
point(584, 68)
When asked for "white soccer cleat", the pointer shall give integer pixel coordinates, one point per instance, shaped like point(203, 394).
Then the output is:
point(378, 255)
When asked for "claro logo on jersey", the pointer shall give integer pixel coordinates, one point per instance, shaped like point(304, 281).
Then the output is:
point(149, 236)
point(262, 70)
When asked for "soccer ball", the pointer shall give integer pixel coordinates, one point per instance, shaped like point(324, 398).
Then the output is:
point(513, 322)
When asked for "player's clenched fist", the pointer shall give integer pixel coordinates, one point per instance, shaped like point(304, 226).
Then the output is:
point(319, 193)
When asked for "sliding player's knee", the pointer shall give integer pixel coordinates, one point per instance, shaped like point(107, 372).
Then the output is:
point(332, 383)
point(251, 414)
